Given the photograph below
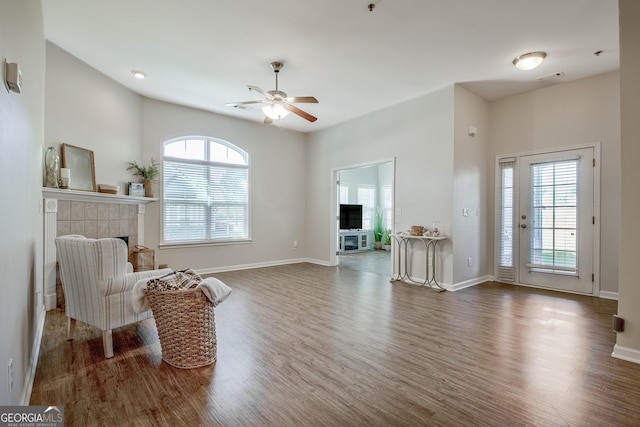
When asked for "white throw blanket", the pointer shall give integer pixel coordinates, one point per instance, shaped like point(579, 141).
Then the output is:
point(215, 290)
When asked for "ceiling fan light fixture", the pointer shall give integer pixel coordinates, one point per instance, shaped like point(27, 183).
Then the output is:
point(275, 111)
point(529, 61)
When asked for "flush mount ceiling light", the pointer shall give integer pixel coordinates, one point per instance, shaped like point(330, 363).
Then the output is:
point(138, 74)
point(529, 61)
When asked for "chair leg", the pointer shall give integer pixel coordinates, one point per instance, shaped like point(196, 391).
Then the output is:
point(107, 343)
point(71, 327)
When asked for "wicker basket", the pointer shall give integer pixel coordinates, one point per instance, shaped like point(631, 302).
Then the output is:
point(143, 258)
point(186, 327)
point(417, 230)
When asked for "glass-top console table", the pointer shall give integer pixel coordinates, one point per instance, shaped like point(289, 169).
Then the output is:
point(403, 249)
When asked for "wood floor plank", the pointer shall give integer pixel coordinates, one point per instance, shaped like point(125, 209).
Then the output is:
point(310, 345)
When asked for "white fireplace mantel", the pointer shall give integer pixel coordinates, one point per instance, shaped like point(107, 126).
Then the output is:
point(51, 197)
point(92, 196)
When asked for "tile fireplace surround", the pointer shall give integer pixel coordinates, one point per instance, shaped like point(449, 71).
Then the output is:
point(90, 214)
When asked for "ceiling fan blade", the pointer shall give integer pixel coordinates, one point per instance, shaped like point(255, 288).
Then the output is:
point(267, 120)
point(240, 104)
point(261, 92)
point(302, 99)
point(296, 110)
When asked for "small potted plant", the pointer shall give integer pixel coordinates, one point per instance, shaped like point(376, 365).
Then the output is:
point(146, 173)
point(378, 228)
point(386, 240)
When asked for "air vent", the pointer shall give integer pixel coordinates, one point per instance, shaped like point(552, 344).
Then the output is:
point(551, 76)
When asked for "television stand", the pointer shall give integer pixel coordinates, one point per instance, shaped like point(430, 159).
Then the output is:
point(355, 240)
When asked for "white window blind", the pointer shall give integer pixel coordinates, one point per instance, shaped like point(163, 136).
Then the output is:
point(387, 206)
point(554, 216)
point(344, 192)
point(506, 269)
point(205, 191)
point(366, 196)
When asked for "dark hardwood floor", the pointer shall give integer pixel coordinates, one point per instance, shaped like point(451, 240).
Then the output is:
point(378, 262)
point(306, 345)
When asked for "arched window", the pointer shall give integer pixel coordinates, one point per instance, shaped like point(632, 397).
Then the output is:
point(206, 191)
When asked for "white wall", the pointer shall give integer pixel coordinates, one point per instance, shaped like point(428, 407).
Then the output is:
point(277, 185)
point(472, 190)
point(574, 113)
point(88, 109)
point(366, 175)
point(628, 342)
point(419, 134)
point(21, 145)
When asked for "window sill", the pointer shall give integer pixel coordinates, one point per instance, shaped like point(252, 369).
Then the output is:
point(202, 244)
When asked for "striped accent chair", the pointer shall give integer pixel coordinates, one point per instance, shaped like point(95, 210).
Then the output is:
point(98, 284)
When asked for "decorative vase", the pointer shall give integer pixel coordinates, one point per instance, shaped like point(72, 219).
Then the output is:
point(51, 168)
point(148, 188)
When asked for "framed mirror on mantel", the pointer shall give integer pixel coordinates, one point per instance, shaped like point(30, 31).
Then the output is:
point(81, 167)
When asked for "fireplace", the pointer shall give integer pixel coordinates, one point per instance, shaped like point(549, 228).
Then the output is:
point(93, 215)
point(89, 220)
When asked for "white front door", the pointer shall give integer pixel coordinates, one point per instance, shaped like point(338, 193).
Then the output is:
point(556, 220)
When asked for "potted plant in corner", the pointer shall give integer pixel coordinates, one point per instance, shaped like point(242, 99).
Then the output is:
point(378, 229)
point(386, 240)
point(146, 173)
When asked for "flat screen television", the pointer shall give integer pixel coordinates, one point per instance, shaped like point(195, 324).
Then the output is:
point(350, 217)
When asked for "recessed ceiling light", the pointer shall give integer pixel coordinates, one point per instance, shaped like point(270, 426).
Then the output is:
point(139, 74)
point(529, 61)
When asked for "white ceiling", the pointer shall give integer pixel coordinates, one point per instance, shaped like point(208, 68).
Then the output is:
point(204, 53)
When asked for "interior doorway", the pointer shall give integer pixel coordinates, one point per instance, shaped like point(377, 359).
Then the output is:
point(364, 199)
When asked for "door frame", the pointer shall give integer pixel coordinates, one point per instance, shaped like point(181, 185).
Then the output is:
point(333, 241)
point(516, 235)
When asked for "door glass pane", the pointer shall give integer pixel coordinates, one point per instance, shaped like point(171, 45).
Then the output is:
point(553, 241)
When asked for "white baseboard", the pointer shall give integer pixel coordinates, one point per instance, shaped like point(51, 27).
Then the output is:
point(27, 387)
point(626, 353)
point(318, 262)
point(608, 295)
point(50, 301)
point(469, 283)
point(250, 266)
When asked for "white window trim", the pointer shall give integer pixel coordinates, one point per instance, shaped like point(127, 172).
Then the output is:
point(221, 242)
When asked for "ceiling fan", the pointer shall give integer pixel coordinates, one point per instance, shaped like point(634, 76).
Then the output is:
point(277, 104)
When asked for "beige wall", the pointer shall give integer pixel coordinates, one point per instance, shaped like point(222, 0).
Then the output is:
point(419, 135)
point(575, 113)
point(21, 145)
point(628, 342)
point(472, 187)
point(277, 187)
point(90, 110)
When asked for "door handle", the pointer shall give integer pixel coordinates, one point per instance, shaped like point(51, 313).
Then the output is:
point(523, 225)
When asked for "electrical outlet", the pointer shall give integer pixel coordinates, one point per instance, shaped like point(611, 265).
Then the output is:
point(295, 244)
point(10, 375)
point(465, 212)
point(469, 262)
